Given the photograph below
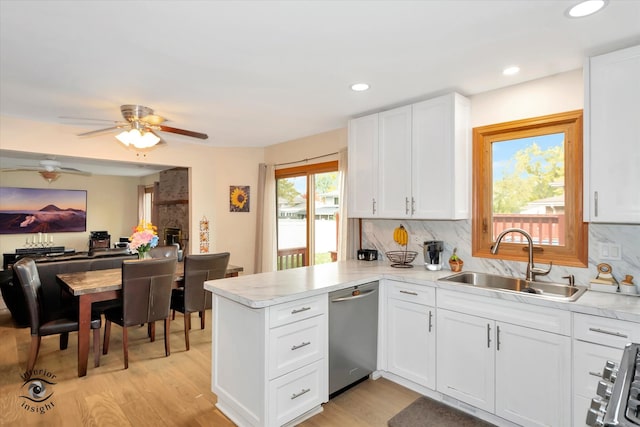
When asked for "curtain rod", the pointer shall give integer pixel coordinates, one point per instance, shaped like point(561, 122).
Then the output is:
point(306, 160)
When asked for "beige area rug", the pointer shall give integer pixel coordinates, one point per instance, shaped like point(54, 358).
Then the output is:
point(425, 412)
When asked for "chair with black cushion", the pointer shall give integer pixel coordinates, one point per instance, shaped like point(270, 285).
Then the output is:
point(146, 297)
point(193, 297)
point(168, 251)
point(45, 322)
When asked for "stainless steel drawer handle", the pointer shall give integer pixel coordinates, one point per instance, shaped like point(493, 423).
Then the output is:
point(300, 310)
point(488, 336)
point(409, 293)
point(430, 320)
point(303, 391)
point(602, 331)
point(304, 344)
point(595, 374)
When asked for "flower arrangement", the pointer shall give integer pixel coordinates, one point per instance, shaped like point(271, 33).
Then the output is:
point(144, 237)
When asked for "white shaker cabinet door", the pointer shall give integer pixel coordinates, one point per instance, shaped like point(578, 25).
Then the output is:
point(411, 341)
point(363, 167)
point(465, 358)
point(533, 376)
point(395, 163)
point(612, 142)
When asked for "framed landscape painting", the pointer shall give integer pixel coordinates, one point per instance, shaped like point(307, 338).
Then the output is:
point(42, 210)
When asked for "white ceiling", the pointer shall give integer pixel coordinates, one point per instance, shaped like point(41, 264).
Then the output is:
point(256, 73)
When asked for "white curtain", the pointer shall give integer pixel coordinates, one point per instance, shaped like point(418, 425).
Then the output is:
point(266, 238)
point(348, 239)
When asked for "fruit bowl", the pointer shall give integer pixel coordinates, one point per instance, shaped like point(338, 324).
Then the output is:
point(401, 259)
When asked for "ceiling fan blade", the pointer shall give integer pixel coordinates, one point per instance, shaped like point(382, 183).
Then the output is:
point(183, 132)
point(95, 132)
point(86, 118)
point(73, 171)
point(21, 169)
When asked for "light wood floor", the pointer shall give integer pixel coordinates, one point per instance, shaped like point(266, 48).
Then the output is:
point(155, 390)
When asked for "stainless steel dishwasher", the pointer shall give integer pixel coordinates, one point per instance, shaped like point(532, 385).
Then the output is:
point(353, 335)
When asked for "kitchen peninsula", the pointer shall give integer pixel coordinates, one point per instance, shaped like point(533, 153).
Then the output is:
point(263, 377)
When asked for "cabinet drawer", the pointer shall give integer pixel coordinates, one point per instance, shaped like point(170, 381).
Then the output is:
point(605, 331)
point(410, 292)
point(293, 311)
point(297, 392)
point(588, 362)
point(296, 344)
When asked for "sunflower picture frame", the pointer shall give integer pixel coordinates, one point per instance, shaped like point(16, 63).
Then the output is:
point(239, 198)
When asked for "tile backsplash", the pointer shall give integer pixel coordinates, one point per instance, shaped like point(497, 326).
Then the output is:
point(378, 234)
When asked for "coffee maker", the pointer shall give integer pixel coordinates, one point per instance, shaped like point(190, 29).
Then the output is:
point(433, 258)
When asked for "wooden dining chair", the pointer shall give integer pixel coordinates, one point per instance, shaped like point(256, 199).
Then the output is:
point(44, 321)
point(146, 297)
point(193, 297)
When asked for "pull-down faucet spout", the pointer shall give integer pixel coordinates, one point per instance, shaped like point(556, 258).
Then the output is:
point(532, 270)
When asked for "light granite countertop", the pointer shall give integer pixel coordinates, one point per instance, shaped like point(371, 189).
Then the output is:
point(266, 289)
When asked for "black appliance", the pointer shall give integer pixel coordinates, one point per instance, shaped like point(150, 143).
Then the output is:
point(99, 239)
point(618, 401)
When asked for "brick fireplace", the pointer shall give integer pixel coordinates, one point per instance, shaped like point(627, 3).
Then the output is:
point(172, 204)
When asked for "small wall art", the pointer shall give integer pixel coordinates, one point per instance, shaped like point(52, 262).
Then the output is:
point(239, 198)
point(204, 235)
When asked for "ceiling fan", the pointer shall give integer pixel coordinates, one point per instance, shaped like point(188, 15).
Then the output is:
point(139, 127)
point(49, 169)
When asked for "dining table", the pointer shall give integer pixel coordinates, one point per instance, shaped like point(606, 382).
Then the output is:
point(103, 285)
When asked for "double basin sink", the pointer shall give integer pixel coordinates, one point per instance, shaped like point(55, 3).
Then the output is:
point(545, 290)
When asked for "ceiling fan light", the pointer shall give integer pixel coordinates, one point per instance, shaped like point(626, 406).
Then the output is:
point(138, 139)
point(49, 176)
point(148, 139)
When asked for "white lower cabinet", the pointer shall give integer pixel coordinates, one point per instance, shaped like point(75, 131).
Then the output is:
point(411, 333)
point(533, 376)
point(596, 341)
point(465, 358)
point(270, 364)
point(485, 359)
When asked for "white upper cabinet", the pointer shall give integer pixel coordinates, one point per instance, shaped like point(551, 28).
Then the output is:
point(412, 162)
point(612, 137)
point(363, 167)
point(394, 163)
point(441, 157)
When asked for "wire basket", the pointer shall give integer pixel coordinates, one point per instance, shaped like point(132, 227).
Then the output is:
point(401, 259)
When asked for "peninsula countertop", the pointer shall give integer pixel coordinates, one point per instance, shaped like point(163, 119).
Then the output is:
point(266, 289)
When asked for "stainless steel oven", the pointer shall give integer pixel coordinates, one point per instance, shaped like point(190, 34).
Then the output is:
point(618, 401)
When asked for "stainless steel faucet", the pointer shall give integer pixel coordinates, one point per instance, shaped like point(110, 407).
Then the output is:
point(532, 270)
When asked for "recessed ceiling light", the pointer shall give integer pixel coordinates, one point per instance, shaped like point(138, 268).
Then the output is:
point(510, 71)
point(359, 87)
point(586, 8)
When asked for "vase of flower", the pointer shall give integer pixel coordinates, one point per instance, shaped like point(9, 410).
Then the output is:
point(144, 237)
point(144, 254)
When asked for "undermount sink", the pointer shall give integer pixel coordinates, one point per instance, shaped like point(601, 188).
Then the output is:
point(547, 290)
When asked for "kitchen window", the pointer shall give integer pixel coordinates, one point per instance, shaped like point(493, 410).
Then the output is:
point(528, 174)
point(304, 193)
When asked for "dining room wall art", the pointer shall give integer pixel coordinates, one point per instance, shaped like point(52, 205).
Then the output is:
point(42, 210)
point(239, 198)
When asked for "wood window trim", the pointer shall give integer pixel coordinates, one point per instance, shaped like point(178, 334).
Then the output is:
point(307, 169)
point(575, 252)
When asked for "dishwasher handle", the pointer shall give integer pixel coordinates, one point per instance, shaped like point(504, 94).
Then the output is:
point(352, 297)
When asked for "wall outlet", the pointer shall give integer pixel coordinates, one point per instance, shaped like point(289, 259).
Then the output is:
point(610, 251)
